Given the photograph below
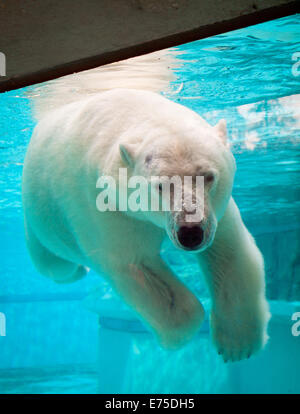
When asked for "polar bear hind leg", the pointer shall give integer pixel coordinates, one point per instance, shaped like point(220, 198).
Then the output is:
point(50, 265)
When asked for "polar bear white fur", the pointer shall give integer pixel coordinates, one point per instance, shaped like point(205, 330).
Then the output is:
point(98, 121)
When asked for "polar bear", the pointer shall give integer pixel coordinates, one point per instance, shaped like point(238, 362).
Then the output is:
point(78, 140)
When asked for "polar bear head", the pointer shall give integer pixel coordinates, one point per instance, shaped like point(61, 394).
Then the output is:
point(183, 145)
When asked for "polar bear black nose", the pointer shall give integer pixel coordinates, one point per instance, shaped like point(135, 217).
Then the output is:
point(190, 237)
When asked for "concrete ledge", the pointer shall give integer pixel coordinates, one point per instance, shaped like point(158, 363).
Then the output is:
point(43, 40)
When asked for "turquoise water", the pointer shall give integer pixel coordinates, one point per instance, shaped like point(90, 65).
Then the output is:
point(51, 342)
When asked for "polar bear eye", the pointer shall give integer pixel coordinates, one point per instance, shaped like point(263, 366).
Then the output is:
point(209, 177)
point(148, 159)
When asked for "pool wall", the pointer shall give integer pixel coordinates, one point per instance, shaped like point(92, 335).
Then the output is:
point(133, 363)
point(48, 325)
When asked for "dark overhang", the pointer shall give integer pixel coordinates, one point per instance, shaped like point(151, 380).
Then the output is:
point(46, 39)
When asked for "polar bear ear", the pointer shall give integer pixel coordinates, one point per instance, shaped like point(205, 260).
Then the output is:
point(127, 152)
point(222, 130)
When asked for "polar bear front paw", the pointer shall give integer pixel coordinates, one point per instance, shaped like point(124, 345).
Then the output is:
point(239, 337)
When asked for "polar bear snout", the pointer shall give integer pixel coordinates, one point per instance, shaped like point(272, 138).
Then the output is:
point(190, 237)
point(191, 232)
